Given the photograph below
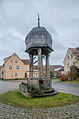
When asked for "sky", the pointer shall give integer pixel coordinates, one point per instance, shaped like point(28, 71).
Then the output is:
point(18, 17)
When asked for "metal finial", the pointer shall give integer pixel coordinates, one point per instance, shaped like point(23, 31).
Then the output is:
point(38, 20)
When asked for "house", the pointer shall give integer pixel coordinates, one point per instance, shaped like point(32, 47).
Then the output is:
point(55, 67)
point(58, 70)
point(14, 67)
point(71, 58)
point(1, 72)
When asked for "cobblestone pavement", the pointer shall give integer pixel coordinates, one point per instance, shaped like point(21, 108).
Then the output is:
point(64, 112)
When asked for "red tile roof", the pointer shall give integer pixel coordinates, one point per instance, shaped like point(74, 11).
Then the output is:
point(1, 66)
point(25, 61)
point(74, 50)
point(56, 66)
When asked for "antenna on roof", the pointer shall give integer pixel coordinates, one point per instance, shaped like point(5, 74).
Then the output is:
point(38, 20)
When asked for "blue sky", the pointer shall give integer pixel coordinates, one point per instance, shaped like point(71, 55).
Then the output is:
point(18, 17)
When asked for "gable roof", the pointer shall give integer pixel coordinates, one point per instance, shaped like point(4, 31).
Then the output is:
point(7, 58)
point(56, 66)
point(74, 50)
point(25, 61)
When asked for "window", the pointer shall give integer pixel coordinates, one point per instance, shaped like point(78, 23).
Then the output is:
point(17, 67)
point(68, 64)
point(68, 57)
point(25, 75)
point(10, 67)
point(16, 61)
point(71, 56)
point(36, 74)
point(15, 74)
point(73, 63)
point(11, 60)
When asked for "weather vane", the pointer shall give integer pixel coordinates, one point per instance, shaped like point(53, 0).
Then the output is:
point(38, 20)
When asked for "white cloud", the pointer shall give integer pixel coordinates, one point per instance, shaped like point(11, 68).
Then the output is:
point(1, 34)
point(18, 17)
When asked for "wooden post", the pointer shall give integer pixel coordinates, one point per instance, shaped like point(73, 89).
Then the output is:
point(39, 64)
point(47, 67)
point(31, 67)
point(48, 71)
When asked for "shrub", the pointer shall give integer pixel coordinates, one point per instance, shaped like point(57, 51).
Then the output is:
point(51, 74)
point(74, 72)
point(64, 77)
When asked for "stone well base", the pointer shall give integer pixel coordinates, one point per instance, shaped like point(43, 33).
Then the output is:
point(36, 92)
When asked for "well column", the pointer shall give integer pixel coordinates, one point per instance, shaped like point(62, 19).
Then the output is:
point(47, 67)
point(31, 67)
point(39, 66)
point(48, 71)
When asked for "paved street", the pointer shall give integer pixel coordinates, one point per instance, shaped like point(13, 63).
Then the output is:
point(67, 88)
point(62, 112)
point(62, 87)
point(9, 85)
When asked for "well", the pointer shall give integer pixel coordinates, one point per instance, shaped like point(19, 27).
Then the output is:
point(39, 43)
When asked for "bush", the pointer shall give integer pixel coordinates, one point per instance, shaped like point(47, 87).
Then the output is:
point(51, 74)
point(64, 77)
point(73, 74)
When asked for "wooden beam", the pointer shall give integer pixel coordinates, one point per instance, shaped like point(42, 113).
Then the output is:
point(35, 62)
point(34, 58)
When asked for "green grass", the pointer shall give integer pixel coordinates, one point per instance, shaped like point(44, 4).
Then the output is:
point(55, 78)
point(75, 81)
point(14, 79)
point(15, 98)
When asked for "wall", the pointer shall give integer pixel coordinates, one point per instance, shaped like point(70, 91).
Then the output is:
point(1, 72)
point(70, 59)
point(14, 72)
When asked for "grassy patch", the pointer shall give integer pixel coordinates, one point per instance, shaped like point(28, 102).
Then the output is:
point(15, 98)
point(56, 79)
point(74, 81)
